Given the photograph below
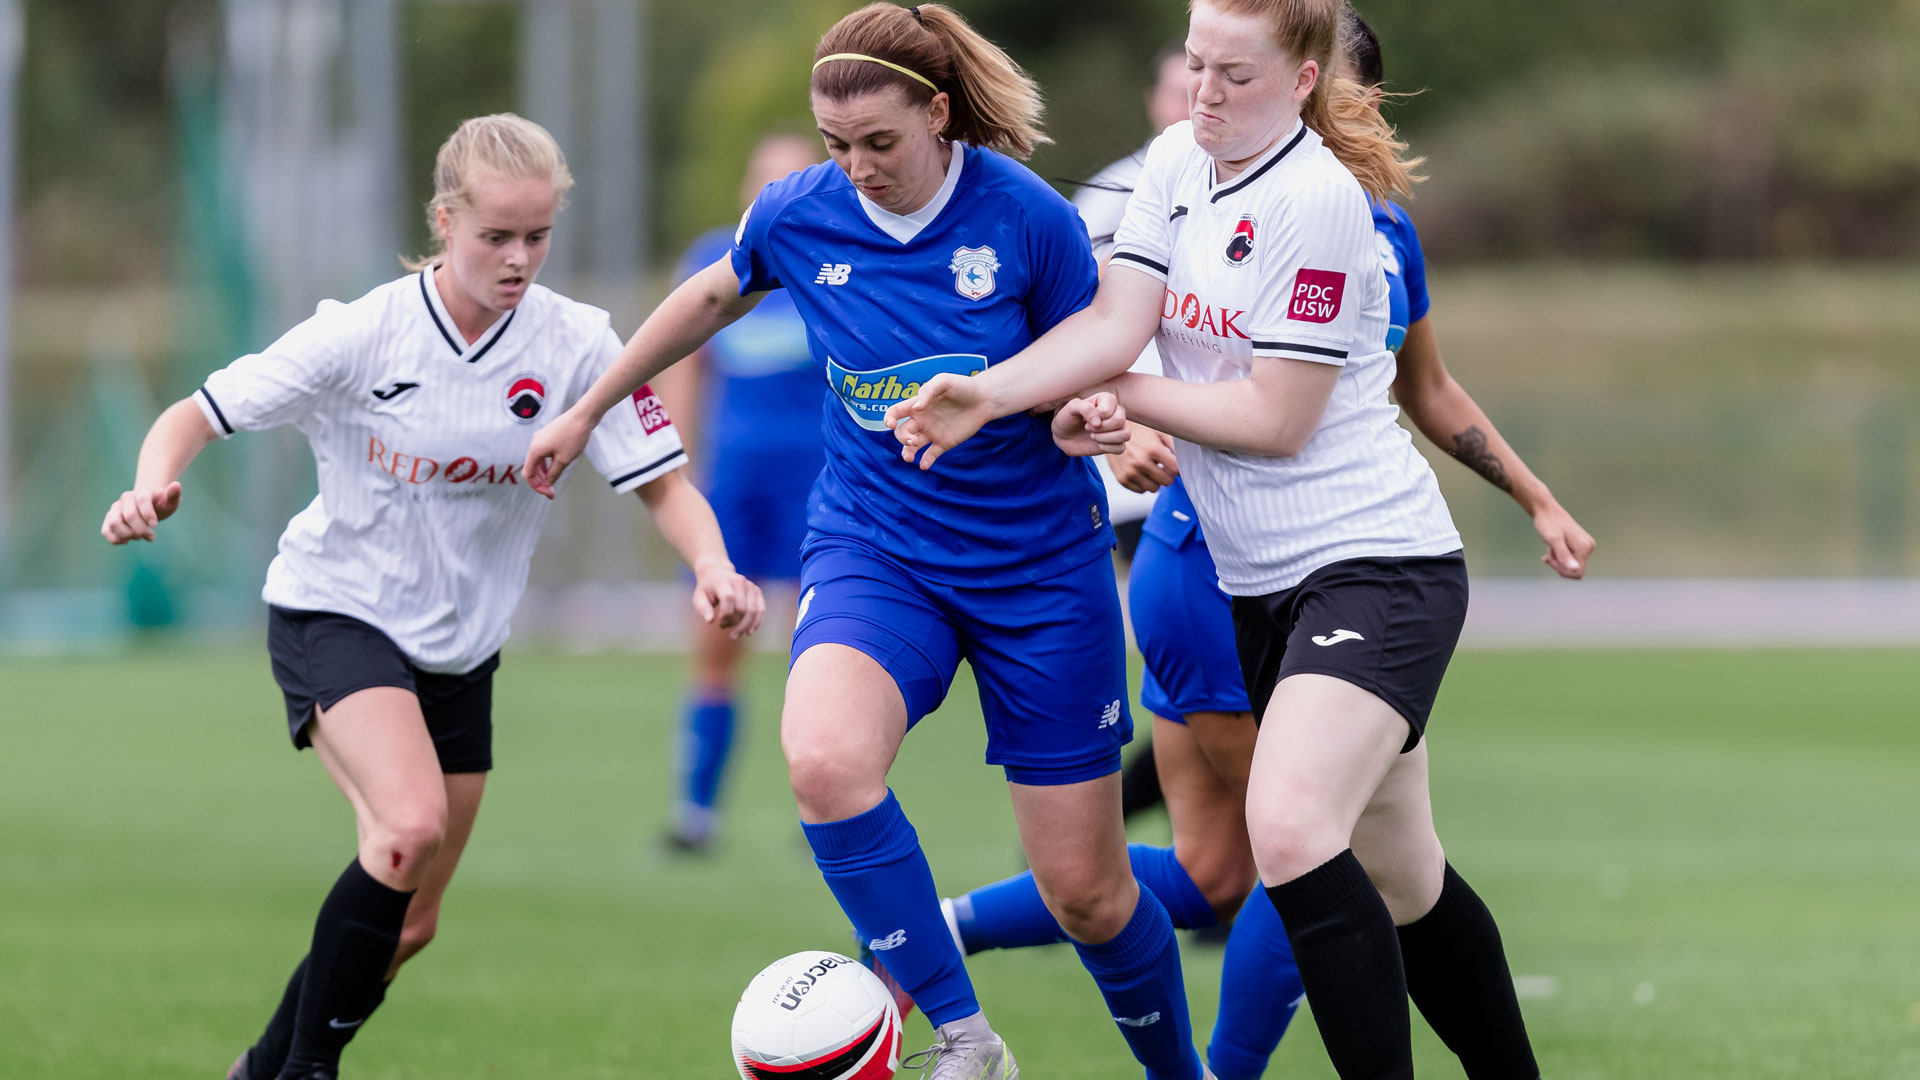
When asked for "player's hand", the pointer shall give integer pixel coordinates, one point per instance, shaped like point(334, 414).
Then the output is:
point(134, 514)
point(726, 599)
point(946, 412)
point(1095, 424)
point(555, 447)
point(1568, 545)
point(1147, 464)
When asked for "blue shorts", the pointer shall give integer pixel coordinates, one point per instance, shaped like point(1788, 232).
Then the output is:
point(1183, 624)
point(761, 502)
point(1049, 657)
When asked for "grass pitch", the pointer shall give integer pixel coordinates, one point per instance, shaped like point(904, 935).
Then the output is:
point(1710, 862)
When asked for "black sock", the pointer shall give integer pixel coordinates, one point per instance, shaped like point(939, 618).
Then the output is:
point(1140, 784)
point(354, 940)
point(1349, 959)
point(267, 1055)
point(1457, 974)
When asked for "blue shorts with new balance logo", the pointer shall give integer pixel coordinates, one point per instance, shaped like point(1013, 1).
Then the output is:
point(1182, 620)
point(1049, 656)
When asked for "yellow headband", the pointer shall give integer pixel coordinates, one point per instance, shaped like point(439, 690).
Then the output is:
point(908, 72)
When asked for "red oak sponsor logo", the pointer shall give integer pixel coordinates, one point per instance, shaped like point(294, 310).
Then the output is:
point(1196, 314)
point(423, 470)
point(1317, 295)
point(653, 411)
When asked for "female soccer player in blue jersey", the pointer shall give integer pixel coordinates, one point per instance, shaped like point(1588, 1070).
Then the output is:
point(755, 397)
point(1184, 627)
point(1248, 247)
point(923, 249)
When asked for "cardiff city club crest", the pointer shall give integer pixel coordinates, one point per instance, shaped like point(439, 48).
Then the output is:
point(973, 271)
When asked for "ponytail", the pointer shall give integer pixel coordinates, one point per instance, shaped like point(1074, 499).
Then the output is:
point(993, 102)
point(1337, 109)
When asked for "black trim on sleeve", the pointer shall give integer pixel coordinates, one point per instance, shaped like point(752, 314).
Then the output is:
point(1141, 259)
point(1311, 350)
point(1262, 170)
point(482, 351)
point(435, 316)
point(218, 415)
point(1178, 212)
point(645, 469)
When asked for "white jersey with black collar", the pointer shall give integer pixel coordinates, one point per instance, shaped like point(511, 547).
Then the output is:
point(424, 526)
point(1281, 261)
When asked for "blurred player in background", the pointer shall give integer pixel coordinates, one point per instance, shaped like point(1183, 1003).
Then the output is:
point(925, 249)
point(1248, 246)
point(755, 395)
point(391, 593)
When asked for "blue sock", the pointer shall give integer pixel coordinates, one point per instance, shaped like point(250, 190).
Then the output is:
point(1010, 914)
point(874, 865)
point(706, 733)
point(1139, 974)
point(1259, 991)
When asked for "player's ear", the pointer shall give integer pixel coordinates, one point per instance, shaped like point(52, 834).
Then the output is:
point(939, 114)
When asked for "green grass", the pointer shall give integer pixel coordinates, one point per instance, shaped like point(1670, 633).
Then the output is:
point(1739, 832)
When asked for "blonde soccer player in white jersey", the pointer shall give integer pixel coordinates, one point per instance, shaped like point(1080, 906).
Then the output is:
point(1248, 249)
point(391, 594)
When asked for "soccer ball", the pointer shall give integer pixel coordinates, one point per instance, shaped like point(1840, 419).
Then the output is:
point(816, 1016)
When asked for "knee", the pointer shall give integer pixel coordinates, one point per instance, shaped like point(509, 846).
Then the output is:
point(1288, 841)
point(1225, 881)
point(830, 786)
point(1088, 906)
point(404, 842)
point(1410, 880)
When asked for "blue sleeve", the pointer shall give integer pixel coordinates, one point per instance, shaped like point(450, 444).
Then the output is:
point(1413, 267)
point(1064, 273)
point(752, 258)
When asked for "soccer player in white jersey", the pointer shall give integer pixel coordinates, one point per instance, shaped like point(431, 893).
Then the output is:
point(1249, 248)
point(391, 594)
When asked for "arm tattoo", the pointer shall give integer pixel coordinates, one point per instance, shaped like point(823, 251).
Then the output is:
point(1470, 447)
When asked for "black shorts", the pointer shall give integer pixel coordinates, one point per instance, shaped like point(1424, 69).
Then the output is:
point(1387, 626)
point(320, 657)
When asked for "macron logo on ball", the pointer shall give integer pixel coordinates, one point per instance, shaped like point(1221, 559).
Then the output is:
point(1317, 295)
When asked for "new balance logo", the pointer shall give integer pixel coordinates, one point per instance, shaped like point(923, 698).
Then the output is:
point(1110, 715)
point(1336, 638)
point(395, 390)
point(833, 274)
point(891, 941)
point(805, 603)
point(1137, 1021)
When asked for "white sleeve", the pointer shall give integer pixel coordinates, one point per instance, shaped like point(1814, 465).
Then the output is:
point(1144, 241)
point(1317, 252)
point(636, 441)
point(282, 383)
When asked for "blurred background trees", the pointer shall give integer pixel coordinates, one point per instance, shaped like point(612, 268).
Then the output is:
point(1716, 129)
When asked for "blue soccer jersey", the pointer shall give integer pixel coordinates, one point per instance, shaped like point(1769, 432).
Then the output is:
point(1406, 268)
point(1003, 261)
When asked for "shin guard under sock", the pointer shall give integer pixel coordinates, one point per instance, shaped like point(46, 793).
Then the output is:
point(1259, 993)
point(1349, 959)
point(354, 941)
point(1457, 974)
point(1139, 974)
point(875, 868)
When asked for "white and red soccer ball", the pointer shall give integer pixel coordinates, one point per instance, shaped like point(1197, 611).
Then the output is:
point(816, 1016)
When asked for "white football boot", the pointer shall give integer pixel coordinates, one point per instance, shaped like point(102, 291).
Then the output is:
point(965, 1050)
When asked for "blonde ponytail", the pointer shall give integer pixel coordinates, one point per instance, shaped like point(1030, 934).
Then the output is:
point(503, 144)
point(993, 102)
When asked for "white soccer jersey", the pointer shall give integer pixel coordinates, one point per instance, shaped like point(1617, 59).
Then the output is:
point(1102, 203)
point(423, 526)
point(1281, 261)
